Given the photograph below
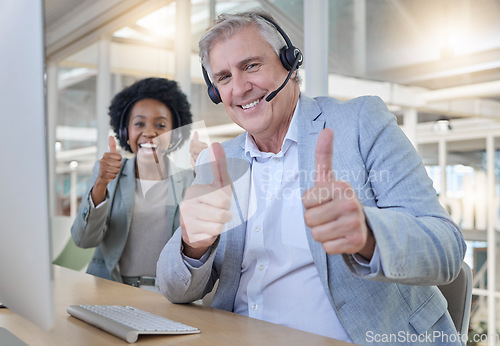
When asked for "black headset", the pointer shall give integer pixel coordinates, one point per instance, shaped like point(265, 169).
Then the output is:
point(290, 56)
point(176, 138)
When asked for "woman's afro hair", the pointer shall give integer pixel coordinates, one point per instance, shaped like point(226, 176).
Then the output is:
point(160, 89)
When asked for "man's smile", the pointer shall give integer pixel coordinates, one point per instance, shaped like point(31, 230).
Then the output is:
point(251, 104)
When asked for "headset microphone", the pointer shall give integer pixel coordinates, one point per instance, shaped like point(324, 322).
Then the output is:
point(298, 59)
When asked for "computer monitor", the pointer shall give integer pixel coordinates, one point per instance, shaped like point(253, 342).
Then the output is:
point(26, 278)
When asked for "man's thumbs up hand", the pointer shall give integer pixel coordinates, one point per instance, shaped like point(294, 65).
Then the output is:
point(333, 211)
point(205, 209)
point(323, 157)
point(218, 164)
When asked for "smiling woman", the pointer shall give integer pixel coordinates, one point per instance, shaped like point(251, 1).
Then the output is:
point(130, 208)
point(149, 129)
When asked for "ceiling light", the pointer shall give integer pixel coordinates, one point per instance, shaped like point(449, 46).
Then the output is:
point(73, 165)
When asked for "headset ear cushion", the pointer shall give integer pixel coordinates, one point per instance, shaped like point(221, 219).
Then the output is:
point(284, 59)
point(123, 135)
point(213, 93)
point(289, 55)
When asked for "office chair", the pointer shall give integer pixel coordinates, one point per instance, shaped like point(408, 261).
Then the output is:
point(74, 257)
point(458, 293)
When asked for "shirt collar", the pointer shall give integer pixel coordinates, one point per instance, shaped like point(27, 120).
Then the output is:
point(252, 151)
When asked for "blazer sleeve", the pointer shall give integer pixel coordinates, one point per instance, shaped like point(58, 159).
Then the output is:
point(177, 280)
point(417, 242)
point(90, 225)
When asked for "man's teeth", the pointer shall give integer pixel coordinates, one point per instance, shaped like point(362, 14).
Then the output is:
point(250, 105)
point(149, 146)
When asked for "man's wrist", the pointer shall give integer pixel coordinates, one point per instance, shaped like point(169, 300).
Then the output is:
point(369, 248)
point(191, 252)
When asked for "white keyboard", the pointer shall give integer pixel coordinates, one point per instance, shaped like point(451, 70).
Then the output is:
point(127, 322)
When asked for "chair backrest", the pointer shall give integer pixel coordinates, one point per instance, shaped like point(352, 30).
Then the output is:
point(458, 293)
point(74, 257)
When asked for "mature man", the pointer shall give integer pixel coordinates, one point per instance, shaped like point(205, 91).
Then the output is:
point(343, 238)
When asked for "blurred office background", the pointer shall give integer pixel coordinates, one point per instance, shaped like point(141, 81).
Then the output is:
point(436, 63)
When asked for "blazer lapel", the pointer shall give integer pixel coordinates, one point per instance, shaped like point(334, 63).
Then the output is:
point(174, 196)
point(239, 170)
point(127, 188)
point(235, 231)
point(311, 123)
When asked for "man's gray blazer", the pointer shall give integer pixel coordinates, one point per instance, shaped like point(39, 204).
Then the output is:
point(418, 244)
